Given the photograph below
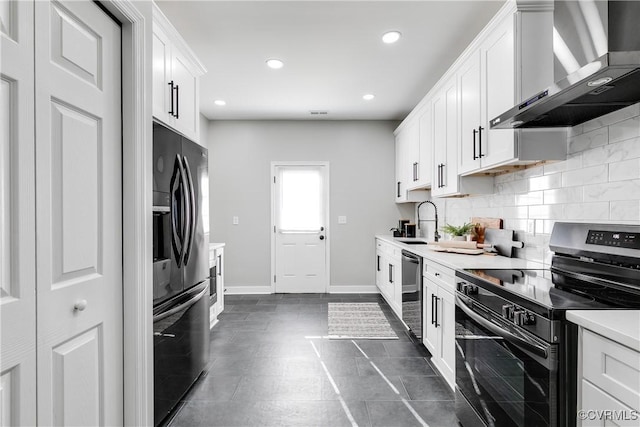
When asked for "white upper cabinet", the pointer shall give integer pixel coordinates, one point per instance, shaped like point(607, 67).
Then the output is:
point(176, 72)
point(408, 160)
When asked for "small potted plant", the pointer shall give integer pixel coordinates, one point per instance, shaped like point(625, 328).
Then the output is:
point(458, 232)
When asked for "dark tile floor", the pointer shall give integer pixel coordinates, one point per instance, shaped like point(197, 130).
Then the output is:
point(271, 365)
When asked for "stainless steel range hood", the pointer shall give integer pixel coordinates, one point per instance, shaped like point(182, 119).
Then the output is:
point(596, 47)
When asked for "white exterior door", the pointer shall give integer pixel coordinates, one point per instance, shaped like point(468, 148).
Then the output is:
point(79, 215)
point(17, 217)
point(300, 200)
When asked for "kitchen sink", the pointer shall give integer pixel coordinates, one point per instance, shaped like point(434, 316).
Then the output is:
point(412, 242)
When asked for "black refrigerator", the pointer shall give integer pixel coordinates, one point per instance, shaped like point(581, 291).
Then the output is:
point(180, 266)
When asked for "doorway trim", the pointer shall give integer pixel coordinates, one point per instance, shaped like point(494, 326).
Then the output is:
point(274, 164)
point(136, 209)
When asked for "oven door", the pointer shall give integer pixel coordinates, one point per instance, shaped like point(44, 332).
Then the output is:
point(504, 376)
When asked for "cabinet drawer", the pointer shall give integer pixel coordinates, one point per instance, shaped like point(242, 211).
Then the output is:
point(443, 276)
point(603, 410)
point(612, 367)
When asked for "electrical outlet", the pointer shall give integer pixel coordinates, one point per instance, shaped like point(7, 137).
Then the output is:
point(236, 220)
point(342, 219)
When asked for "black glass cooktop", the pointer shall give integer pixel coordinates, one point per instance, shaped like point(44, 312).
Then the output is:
point(548, 290)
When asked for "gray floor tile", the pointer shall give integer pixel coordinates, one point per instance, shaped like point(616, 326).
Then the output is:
point(363, 388)
point(397, 414)
point(427, 388)
point(214, 388)
point(252, 388)
point(405, 366)
point(405, 349)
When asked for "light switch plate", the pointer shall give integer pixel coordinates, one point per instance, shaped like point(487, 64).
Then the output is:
point(342, 219)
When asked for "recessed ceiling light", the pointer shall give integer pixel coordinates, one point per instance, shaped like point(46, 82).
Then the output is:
point(368, 97)
point(275, 63)
point(220, 102)
point(391, 37)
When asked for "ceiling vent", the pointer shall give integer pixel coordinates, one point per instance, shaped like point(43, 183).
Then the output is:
point(318, 113)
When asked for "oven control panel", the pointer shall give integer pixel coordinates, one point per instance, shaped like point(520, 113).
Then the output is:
point(615, 239)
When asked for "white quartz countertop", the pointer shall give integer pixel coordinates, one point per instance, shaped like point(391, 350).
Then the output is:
point(622, 326)
point(459, 261)
point(214, 246)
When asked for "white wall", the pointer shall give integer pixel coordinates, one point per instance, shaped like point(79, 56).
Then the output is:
point(599, 182)
point(361, 156)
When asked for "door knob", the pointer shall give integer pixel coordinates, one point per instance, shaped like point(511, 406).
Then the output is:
point(80, 305)
point(321, 237)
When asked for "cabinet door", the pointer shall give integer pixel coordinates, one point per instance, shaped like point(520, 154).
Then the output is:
point(161, 75)
point(447, 335)
point(498, 55)
point(185, 96)
point(430, 332)
point(401, 185)
point(396, 285)
point(425, 160)
point(470, 117)
point(439, 141)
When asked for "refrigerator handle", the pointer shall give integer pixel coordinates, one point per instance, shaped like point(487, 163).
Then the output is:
point(176, 222)
point(186, 213)
point(182, 306)
point(191, 228)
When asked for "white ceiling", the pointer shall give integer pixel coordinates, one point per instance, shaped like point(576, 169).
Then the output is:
point(332, 51)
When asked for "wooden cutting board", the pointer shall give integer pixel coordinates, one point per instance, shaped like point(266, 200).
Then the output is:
point(502, 240)
point(484, 224)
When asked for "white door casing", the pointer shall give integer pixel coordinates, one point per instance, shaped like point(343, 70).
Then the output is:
point(17, 217)
point(299, 242)
point(79, 215)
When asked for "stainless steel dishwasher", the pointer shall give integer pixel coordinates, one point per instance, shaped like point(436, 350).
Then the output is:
point(412, 293)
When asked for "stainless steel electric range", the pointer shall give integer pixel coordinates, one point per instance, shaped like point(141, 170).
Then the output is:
point(515, 352)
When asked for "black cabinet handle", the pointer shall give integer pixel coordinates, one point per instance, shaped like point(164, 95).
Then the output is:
point(417, 171)
point(436, 312)
point(398, 195)
point(377, 262)
point(438, 184)
point(390, 273)
point(442, 174)
point(414, 172)
point(171, 111)
point(177, 102)
point(219, 265)
point(433, 310)
point(475, 157)
point(480, 129)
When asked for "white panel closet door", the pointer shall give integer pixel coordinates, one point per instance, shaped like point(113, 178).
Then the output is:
point(17, 217)
point(79, 215)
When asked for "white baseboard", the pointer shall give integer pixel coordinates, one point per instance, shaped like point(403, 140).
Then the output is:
point(356, 289)
point(242, 290)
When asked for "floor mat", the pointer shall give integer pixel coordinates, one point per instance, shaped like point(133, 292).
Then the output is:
point(358, 320)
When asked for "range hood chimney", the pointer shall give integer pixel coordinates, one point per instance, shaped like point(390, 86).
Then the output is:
point(596, 47)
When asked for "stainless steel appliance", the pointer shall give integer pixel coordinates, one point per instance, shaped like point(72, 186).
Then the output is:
point(181, 266)
point(412, 293)
point(596, 46)
point(515, 352)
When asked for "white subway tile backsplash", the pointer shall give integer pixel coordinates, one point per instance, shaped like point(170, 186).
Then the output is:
point(619, 190)
point(588, 140)
point(625, 170)
point(624, 130)
point(598, 182)
point(545, 182)
point(625, 210)
point(563, 195)
point(586, 211)
point(591, 175)
point(530, 198)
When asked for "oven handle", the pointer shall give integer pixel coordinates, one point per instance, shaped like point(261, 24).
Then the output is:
point(537, 350)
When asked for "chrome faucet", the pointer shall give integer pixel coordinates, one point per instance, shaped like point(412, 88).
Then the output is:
point(436, 235)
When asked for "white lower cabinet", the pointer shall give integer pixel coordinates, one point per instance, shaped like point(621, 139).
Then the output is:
point(216, 259)
point(389, 274)
point(608, 382)
point(438, 334)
